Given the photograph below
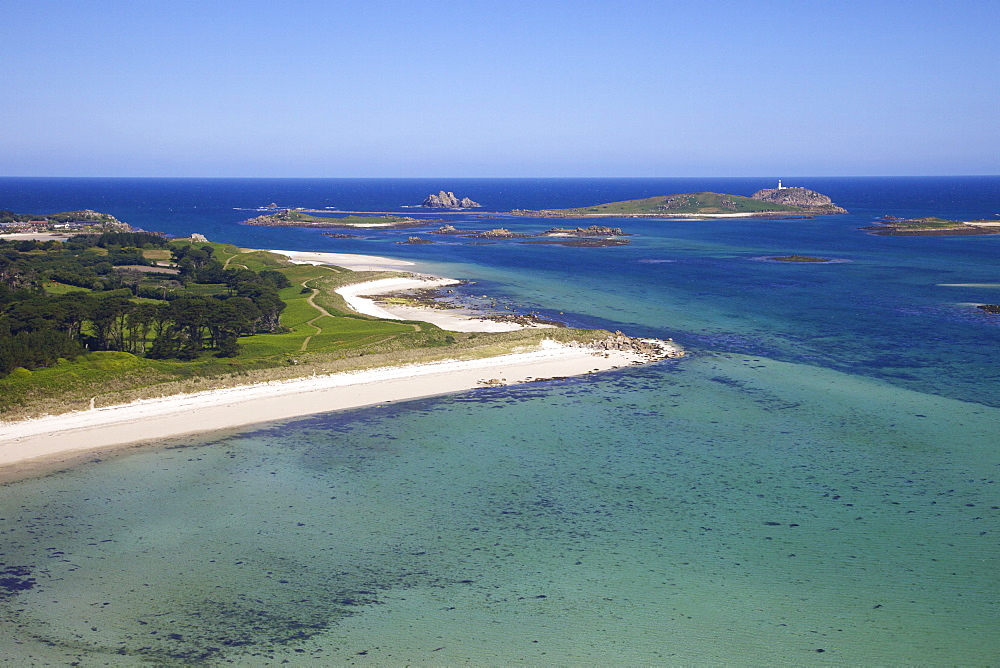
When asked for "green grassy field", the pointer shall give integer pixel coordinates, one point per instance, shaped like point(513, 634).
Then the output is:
point(229, 255)
point(156, 254)
point(57, 288)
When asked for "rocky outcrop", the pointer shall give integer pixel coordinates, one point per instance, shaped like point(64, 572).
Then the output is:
point(694, 200)
point(447, 229)
point(592, 231)
point(499, 233)
point(447, 200)
point(803, 197)
point(533, 213)
point(651, 349)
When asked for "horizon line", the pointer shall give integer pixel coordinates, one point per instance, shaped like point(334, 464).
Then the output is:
point(469, 178)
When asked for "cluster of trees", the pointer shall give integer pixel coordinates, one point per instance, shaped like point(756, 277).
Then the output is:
point(74, 262)
point(37, 328)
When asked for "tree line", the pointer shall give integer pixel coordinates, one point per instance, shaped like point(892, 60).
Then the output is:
point(37, 328)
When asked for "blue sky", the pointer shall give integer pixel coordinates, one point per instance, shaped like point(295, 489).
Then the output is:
point(344, 88)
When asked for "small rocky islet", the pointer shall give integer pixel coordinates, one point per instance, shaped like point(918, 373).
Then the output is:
point(305, 218)
point(448, 200)
point(929, 226)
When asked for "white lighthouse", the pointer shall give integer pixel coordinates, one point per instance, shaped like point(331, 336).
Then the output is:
point(780, 187)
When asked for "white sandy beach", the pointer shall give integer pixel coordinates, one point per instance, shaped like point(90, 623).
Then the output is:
point(157, 419)
point(347, 260)
point(454, 320)
point(352, 293)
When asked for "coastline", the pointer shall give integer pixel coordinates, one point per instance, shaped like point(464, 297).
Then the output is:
point(28, 446)
point(55, 439)
point(454, 320)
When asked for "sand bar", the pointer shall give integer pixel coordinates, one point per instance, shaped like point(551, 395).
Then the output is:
point(179, 415)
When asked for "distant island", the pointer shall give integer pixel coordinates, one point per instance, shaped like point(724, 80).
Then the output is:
point(447, 200)
point(930, 226)
point(769, 202)
point(303, 218)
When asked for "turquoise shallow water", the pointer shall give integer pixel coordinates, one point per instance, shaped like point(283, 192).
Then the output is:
point(819, 474)
point(721, 509)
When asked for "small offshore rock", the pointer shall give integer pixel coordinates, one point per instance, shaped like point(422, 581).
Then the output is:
point(499, 233)
point(447, 229)
point(447, 200)
point(592, 231)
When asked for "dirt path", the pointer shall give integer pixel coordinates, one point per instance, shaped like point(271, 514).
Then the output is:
point(322, 313)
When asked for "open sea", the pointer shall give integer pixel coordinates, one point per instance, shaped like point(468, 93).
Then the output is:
point(816, 483)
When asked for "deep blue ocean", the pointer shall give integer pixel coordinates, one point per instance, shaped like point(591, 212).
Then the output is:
point(814, 483)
